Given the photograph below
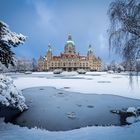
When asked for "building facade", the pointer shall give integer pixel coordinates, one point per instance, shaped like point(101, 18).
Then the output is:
point(69, 60)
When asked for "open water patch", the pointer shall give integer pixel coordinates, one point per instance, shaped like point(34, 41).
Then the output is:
point(57, 110)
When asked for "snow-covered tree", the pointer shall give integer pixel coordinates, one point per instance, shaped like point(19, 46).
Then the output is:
point(3, 68)
point(8, 39)
point(129, 66)
point(20, 65)
point(9, 95)
point(116, 67)
point(26, 64)
point(104, 67)
point(113, 66)
point(34, 64)
point(119, 68)
point(124, 33)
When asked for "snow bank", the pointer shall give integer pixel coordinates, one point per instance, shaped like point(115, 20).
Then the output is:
point(131, 110)
point(9, 95)
point(132, 119)
point(131, 132)
point(135, 117)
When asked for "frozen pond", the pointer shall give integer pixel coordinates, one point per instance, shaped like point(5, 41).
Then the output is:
point(59, 110)
point(89, 83)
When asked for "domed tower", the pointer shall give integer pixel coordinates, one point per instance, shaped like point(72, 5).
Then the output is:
point(49, 52)
point(70, 46)
point(90, 52)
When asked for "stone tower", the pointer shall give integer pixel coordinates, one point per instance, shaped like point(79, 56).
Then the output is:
point(49, 53)
point(90, 53)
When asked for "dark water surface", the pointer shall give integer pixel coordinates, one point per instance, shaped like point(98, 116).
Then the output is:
point(58, 110)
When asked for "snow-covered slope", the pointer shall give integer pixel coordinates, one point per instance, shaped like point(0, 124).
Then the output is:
point(9, 95)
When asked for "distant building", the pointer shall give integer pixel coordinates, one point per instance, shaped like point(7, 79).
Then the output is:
point(69, 60)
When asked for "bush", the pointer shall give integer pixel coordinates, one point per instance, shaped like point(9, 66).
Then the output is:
point(9, 95)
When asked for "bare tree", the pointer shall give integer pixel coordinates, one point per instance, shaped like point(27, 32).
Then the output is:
point(124, 32)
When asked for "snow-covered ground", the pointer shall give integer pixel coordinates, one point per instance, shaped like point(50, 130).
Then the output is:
point(12, 132)
point(98, 83)
point(92, 82)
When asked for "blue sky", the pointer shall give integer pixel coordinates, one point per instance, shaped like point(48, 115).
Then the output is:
point(50, 21)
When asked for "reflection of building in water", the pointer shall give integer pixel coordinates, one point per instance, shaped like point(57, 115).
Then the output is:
point(69, 60)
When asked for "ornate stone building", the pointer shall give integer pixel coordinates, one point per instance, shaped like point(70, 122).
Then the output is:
point(69, 60)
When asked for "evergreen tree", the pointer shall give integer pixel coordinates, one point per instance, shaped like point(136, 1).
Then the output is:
point(8, 39)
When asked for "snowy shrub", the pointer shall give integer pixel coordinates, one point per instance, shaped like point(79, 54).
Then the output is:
point(81, 71)
point(57, 71)
point(9, 95)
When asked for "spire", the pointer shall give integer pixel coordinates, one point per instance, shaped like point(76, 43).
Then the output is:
point(90, 52)
point(49, 52)
point(49, 47)
point(89, 45)
point(69, 37)
point(90, 48)
point(40, 58)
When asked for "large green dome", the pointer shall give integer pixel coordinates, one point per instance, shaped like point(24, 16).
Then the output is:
point(70, 46)
point(70, 41)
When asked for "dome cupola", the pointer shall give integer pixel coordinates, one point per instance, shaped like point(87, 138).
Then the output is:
point(70, 46)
